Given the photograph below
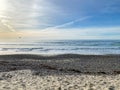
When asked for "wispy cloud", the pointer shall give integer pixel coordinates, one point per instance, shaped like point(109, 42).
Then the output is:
point(7, 26)
point(67, 24)
point(26, 14)
point(47, 17)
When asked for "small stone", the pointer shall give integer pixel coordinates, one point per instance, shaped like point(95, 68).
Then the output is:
point(1, 78)
point(59, 88)
point(76, 86)
point(111, 88)
point(104, 82)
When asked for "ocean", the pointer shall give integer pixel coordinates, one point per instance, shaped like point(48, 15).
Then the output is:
point(86, 47)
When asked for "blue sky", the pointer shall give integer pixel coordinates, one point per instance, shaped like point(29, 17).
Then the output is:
point(61, 19)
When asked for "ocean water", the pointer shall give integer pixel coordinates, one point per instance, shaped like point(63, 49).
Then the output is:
point(87, 47)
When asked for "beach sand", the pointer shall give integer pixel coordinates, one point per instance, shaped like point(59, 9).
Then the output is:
point(60, 72)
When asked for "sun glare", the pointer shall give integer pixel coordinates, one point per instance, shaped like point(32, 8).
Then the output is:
point(3, 5)
point(3, 8)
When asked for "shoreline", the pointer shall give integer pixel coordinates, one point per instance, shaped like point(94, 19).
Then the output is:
point(87, 64)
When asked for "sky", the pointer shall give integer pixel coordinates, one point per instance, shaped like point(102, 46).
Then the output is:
point(59, 19)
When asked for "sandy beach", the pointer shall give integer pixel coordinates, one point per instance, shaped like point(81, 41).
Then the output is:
point(60, 72)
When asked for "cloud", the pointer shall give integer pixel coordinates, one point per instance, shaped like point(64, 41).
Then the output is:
point(26, 13)
point(74, 33)
point(59, 33)
point(90, 33)
point(72, 22)
point(67, 24)
point(40, 14)
point(7, 25)
point(50, 18)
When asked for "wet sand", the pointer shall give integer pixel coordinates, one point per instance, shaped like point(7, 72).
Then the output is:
point(60, 72)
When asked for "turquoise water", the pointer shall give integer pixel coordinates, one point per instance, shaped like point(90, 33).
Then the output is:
point(90, 47)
